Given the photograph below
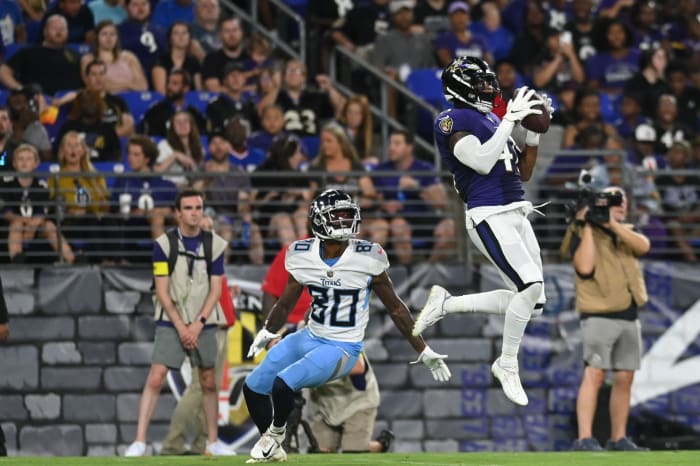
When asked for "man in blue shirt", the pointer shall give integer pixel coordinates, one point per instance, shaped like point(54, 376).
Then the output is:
point(412, 202)
point(146, 40)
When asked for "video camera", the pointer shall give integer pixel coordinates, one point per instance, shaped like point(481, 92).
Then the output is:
point(598, 202)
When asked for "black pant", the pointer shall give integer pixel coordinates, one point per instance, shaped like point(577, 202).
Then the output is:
point(3, 450)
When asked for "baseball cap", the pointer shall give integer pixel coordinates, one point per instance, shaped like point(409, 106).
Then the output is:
point(645, 133)
point(457, 6)
point(396, 5)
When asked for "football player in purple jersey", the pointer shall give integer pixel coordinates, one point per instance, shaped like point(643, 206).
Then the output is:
point(488, 169)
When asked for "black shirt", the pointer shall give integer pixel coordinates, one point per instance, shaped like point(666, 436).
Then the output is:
point(101, 139)
point(224, 108)
point(155, 120)
point(305, 118)
point(191, 65)
point(214, 63)
point(53, 69)
point(33, 201)
point(115, 107)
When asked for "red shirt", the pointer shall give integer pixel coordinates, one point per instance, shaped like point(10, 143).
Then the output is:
point(275, 281)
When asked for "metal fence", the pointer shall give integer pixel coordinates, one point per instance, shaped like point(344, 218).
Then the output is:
point(120, 229)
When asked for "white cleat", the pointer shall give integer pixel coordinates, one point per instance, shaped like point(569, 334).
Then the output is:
point(268, 449)
point(219, 448)
point(432, 311)
point(136, 449)
point(510, 382)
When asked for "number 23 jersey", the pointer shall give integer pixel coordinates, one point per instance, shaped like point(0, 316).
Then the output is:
point(339, 292)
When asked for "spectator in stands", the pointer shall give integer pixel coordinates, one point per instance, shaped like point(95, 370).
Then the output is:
point(23, 110)
point(530, 41)
point(401, 50)
point(12, 29)
point(205, 29)
point(81, 194)
point(305, 110)
point(558, 66)
point(630, 116)
point(177, 88)
point(124, 72)
point(168, 12)
point(614, 9)
point(412, 203)
point(155, 120)
point(646, 25)
point(459, 40)
point(177, 57)
point(669, 128)
point(680, 200)
point(181, 151)
point(272, 121)
point(116, 112)
point(587, 105)
point(228, 192)
point(320, 18)
point(616, 61)
point(79, 19)
point(360, 27)
point(108, 10)
point(237, 131)
point(649, 81)
point(146, 40)
point(30, 64)
point(233, 100)
point(431, 17)
point(232, 51)
point(336, 158)
point(687, 96)
point(143, 202)
point(33, 10)
point(27, 207)
point(281, 198)
point(7, 147)
point(498, 38)
point(356, 119)
point(581, 28)
point(645, 150)
point(86, 118)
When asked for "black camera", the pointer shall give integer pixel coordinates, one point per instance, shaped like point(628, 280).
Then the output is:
point(598, 202)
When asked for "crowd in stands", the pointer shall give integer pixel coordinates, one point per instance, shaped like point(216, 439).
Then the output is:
point(177, 93)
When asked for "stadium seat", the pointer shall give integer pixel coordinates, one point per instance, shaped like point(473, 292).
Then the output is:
point(311, 144)
point(107, 168)
point(425, 83)
point(200, 99)
point(139, 101)
point(80, 49)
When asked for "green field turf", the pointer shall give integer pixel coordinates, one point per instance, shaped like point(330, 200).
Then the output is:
point(433, 459)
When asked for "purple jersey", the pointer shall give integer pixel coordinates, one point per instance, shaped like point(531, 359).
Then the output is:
point(502, 185)
point(611, 72)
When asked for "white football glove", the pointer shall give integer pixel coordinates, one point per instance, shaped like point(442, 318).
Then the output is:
point(521, 106)
point(435, 363)
point(263, 337)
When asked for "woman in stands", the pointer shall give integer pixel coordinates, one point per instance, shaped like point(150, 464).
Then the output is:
point(181, 151)
point(124, 71)
point(177, 57)
point(356, 119)
point(81, 193)
point(587, 108)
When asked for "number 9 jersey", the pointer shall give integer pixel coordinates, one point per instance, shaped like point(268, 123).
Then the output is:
point(502, 185)
point(339, 288)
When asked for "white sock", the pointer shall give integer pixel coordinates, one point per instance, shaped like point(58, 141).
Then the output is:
point(277, 430)
point(517, 317)
point(489, 302)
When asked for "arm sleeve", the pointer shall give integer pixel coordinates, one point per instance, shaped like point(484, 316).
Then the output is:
point(482, 157)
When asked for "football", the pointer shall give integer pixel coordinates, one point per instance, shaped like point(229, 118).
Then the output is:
point(537, 123)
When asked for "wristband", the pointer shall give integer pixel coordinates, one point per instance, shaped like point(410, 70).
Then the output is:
point(532, 139)
point(202, 319)
point(580, 223)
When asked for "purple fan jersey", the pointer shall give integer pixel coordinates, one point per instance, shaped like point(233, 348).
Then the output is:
point(502, 185)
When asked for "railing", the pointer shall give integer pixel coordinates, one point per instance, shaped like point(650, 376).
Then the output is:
point(111, 234)
point(280, 42)
point(385, 120)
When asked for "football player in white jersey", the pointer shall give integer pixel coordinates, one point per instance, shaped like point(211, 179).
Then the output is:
point(340, 272)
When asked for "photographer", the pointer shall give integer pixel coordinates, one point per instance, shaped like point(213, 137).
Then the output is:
point(609, 289)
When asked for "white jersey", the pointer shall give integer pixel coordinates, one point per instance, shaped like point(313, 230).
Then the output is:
point(340, 293)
